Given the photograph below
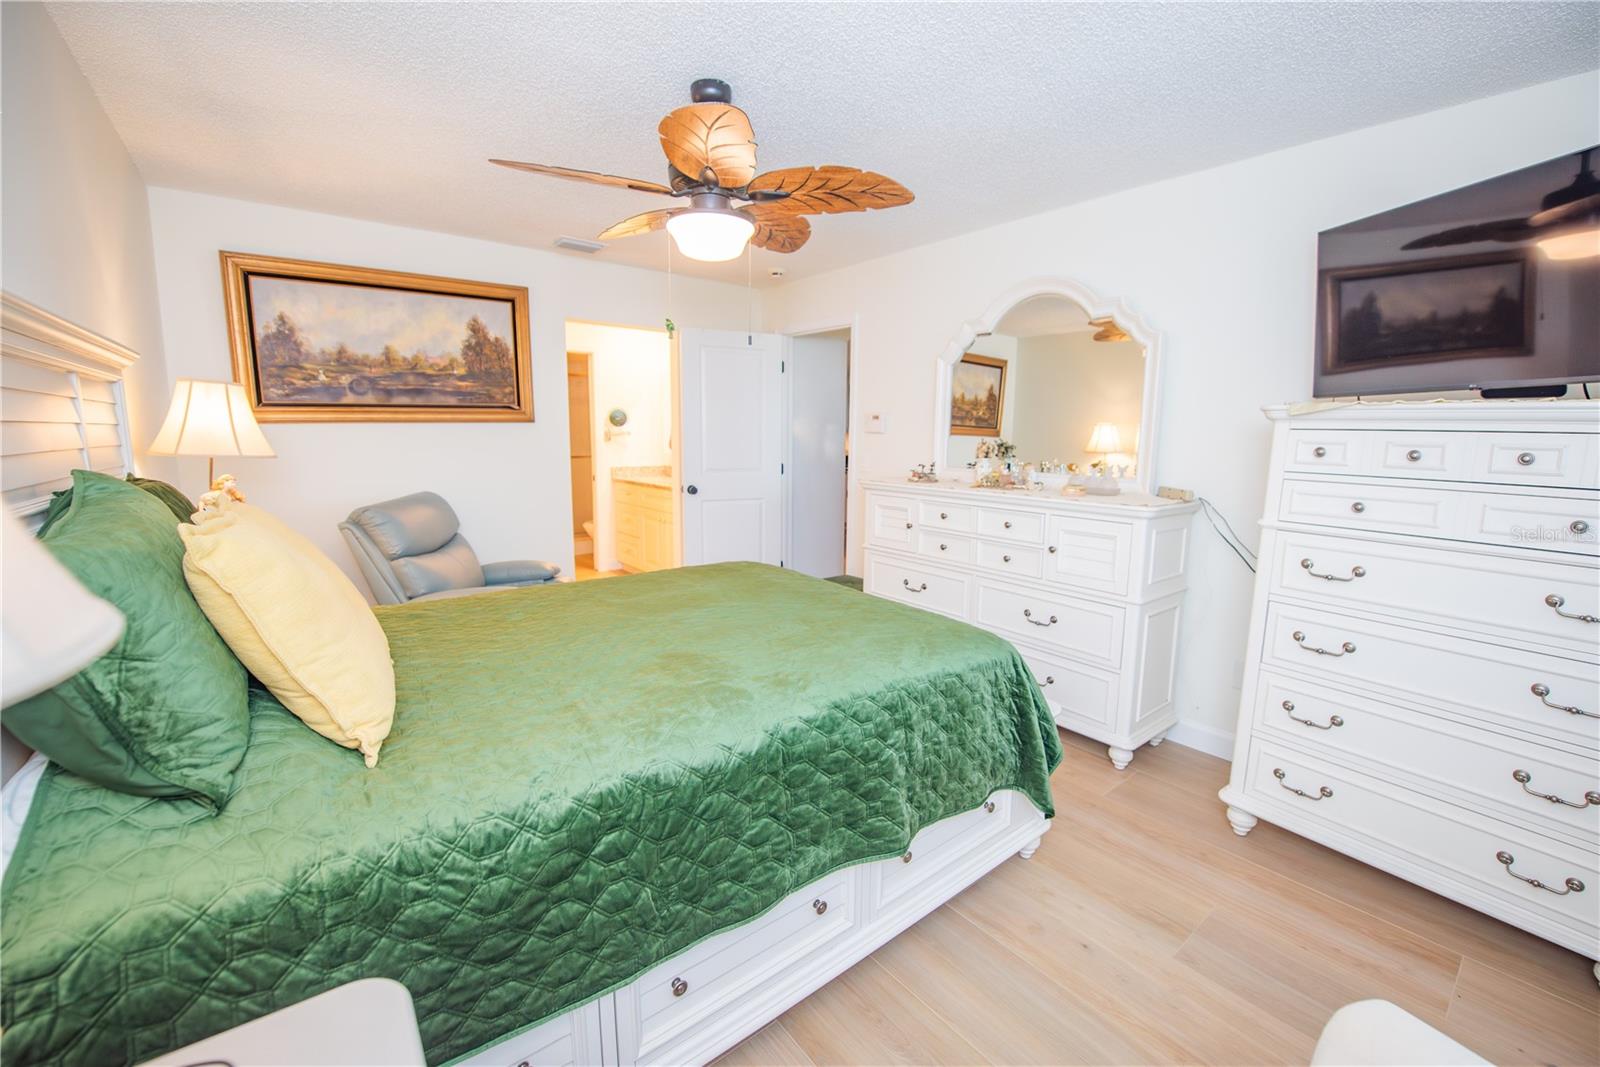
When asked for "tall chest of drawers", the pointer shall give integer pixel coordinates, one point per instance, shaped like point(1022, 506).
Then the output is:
point(1422, 687)
point(1090, 590)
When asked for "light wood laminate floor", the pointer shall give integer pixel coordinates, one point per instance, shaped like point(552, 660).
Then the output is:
point(1145, 931)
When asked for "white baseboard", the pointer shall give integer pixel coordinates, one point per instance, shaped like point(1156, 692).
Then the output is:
point(1202, 738)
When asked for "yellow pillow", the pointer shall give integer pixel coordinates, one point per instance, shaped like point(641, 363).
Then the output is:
point(295, 620)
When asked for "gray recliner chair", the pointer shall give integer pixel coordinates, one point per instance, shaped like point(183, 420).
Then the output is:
point(411, 548)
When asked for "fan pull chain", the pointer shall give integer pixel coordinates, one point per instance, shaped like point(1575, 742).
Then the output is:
point(750, 291)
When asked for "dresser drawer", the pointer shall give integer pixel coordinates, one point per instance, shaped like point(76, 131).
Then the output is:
point(1546, 524)
point(712, 974)
point(1011, 525)
point(1557, 460)
point(1510, 690)
point(936, 544)
point(1464, 590)
point(1057, 623)
point(1569, 460)
point(938, 846)
point(1089, 553)
point(1332, 451)
point(1465, 848)
point(890, 520)
point(1511, 779)
point(1079, 697)
point(940, 516)
point(1023, 561)
point(922, 587)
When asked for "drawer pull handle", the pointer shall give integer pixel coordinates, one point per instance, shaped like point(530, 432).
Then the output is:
point(1300, 639)
point(908, 526)
point(988, 806)
point(942, 515)
point(1415, 455)
point(914, 588)
point(1333, 720)
point(1027, 613)
point(1008, 524)
point(1578, 526)
point(1049, 679)
point(1005, 559)
point(679, 987)
point(1542, 691)
point(1322, 791)
point(907, 857)
point(1572, 884)
point(819, 906)
point(1355, 572)
point(1319, 451)
point(1522, 778)
point(1525, 459)
point(1358, 507)
point(944, 548)
point(1052, 550)
point(1556, 602)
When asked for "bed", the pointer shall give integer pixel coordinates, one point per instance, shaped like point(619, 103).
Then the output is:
point(617, 821)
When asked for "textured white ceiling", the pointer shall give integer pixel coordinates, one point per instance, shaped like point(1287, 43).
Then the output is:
point(986, 111)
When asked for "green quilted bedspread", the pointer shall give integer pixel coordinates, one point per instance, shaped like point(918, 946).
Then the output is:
point(582, 781)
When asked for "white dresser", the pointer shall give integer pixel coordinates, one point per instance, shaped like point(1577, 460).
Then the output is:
point(1422, 688)
point(1089, 589)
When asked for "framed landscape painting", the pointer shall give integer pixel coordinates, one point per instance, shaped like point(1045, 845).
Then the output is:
point(319, 342)
point(977, 396)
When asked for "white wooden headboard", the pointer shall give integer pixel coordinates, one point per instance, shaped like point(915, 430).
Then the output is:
point(61, 408)
point(61, 404)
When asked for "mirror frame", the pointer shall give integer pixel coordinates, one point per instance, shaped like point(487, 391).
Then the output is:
point(1137, 327)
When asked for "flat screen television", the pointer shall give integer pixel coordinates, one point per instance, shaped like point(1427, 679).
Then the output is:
point(1494, 287)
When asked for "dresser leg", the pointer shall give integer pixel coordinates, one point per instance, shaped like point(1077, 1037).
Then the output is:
point(1120, 757)
point(1027, 851)
point(1157, 739)
point(1242, 821)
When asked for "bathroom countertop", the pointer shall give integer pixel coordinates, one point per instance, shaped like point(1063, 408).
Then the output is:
point(656, 477)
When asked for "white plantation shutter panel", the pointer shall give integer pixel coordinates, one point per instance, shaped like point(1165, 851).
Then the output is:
point(61, 405)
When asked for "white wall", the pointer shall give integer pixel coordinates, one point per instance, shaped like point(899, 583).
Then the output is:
point(630, 369)
point(1223, 263)
point(509, 481)
point(1073, 382)
point(77, 226)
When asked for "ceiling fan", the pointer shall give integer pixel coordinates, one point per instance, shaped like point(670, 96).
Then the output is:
point(711, 162)
point(1566, 226)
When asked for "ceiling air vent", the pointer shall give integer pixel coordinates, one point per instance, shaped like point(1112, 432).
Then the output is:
point(578, 244)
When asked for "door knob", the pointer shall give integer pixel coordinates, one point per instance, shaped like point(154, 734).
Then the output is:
point(691, 489)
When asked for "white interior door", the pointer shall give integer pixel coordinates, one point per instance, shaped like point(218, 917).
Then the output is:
point(819, 408)
point(731, 434)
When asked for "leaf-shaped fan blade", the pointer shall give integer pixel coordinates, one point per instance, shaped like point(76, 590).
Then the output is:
point(596, 177)
point(714, 137)
point(1577, 209)
point(777, 231)
point(1499, 230)
point(632, 227)
point(827, 190)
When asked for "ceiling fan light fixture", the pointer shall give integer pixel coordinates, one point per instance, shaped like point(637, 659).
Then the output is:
point(1582, 244)
point(710, 231)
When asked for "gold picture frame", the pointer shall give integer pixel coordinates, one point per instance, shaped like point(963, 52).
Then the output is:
point(314, 372)
point(975, 415)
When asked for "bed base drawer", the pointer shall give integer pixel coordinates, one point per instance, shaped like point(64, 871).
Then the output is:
point(568, 1040)
point(937, 847)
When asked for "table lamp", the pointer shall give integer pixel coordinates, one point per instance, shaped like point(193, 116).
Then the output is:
point(51, 627)
point(1104, 440)
point(210, 419)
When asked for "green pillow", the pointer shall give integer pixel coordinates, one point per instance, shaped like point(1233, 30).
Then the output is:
point(171, 496)
point(165, 712)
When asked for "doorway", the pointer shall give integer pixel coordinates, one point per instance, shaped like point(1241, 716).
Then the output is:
point(581, 428)
point(819, 452)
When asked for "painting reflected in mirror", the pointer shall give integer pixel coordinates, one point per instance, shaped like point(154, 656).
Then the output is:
point(977, 396)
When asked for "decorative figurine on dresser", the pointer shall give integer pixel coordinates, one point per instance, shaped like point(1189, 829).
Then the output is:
point(1089, 588)
point(1422, 688)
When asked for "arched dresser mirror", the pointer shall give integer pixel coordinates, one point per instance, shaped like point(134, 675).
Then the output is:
point(1052, 381)
point(1082, 570)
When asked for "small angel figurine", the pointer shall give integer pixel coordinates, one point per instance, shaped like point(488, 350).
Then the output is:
point(224, 485)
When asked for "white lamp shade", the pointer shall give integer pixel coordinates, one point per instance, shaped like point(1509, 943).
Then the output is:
point(51, 627)
point(710, 236)
point(210, 419)
point(1104, 439)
